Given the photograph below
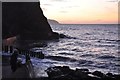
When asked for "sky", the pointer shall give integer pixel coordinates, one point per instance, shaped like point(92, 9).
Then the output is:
point(81, 11)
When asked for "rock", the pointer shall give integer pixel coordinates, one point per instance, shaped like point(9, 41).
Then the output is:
point(53, 72)
point(65, 73)
point(82, 70)
point(55, 35)
point(27, 20)
point(80, 75)
point(110, 74)
point(98, 73)
point(63, 36)
point(116, 77)
point(58, 72)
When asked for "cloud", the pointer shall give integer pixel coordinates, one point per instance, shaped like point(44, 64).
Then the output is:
point(113, 1)
point(68, 7)
point(57, 0)
point(63, 11)
point(44, 9)
point(47, 4)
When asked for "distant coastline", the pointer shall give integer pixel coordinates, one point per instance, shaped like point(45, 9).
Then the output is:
point(53, 22)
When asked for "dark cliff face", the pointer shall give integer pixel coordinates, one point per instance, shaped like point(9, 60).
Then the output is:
point(25, 19)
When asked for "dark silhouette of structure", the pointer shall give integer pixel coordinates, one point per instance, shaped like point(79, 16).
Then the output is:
point(13, 61)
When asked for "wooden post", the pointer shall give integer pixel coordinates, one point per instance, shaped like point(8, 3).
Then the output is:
point(27, 58)
point(33, 54)
point(40, 55)
point(5, 48)
point(19, 51)
point(11, 49)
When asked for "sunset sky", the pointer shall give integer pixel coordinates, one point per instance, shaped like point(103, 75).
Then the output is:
point(81, 11)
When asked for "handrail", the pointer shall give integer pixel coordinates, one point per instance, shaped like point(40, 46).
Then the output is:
point(10, 49)
point(29, 66)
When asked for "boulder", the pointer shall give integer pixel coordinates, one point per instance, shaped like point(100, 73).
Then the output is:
point(65, 73)
point(98, 73)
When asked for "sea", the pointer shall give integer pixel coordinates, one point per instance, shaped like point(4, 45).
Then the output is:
point(91, 46)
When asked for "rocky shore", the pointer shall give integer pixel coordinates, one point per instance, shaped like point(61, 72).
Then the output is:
point(55, 73)
point(65, 73)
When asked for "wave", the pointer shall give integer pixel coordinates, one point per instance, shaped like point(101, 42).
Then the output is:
point(85, 62)
point(87, 55)
point(60, 58)
point(107, 57)
point(64, 53)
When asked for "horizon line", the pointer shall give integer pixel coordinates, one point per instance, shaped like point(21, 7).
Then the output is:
point(92, 23)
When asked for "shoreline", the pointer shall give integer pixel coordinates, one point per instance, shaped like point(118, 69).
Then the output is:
point(55, 73)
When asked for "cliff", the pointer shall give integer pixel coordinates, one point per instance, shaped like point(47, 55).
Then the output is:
point(27, 20)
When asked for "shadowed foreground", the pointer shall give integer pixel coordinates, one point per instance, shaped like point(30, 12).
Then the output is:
point(19, 73)
point(26, 72)
point(23, 71)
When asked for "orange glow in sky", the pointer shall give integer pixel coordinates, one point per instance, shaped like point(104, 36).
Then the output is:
point(81, 11)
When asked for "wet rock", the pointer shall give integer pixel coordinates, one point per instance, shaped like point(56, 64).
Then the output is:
point(98, 73)
point(63, 36)
point(65, 73)
point(113, 76)
point(82, 70)
point(59, 72)
point(81, 75)
point(86, 71)
point(110, 74)
point(117, 77)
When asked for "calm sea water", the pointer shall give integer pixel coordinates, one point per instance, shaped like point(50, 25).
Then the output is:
point(89, 46)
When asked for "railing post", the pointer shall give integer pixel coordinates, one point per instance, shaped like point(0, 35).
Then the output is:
point(11, 49)
point(5, 48)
